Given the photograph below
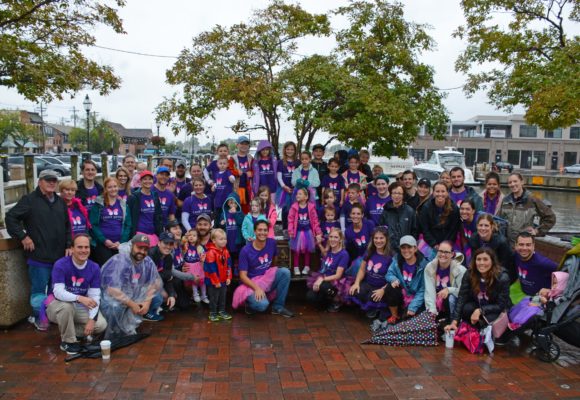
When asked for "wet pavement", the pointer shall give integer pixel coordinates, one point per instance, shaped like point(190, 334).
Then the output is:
point(314, 355)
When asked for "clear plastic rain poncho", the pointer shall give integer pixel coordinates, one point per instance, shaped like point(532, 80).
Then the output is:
point(121, 281)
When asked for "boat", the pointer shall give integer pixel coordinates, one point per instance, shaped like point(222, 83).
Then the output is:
point(393, 165)
point(444, 160)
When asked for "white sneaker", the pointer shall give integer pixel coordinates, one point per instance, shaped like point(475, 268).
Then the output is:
point(196, 298)
point(205, 300)
point(296, 271)
point(305, 270)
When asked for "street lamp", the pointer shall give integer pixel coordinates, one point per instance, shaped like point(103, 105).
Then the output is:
point(88, 105)
point(158, 126)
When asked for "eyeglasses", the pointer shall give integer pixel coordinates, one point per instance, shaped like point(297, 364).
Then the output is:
point(445, 252)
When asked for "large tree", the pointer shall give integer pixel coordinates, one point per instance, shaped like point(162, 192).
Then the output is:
point(41, 46)
point(239, 65)
point(12, 128)
point(393, 94)
point(533, 57)
point(102, 136)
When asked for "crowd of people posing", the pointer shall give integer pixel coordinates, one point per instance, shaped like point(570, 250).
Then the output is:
point(101, 258)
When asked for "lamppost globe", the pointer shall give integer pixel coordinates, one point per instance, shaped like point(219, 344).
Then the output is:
point(87, 104)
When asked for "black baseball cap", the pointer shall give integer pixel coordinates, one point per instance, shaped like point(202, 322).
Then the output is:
point(167, 237)
point(424, 182)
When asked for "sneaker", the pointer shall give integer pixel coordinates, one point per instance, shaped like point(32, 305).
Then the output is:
point(334, 307)
point(213, 317)
point(392, 320)
point(41, 326)
point(372, 314)
point(377, 325)
point(296, 271)
point(205, 300)
point(196, 298)
point(224, 315)
point(514, 342)
point(305, 270)
point(70, 348)
point(249, 311)
point(283, 312)
point(151, 317)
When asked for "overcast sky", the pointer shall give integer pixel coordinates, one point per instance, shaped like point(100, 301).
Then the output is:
point(166, 27)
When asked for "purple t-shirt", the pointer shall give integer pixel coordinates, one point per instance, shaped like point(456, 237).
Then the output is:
point(359, 240)
point(482, 295)
point(146, 214)
point(76, 281)
point(377, 267)
point(304, 173)
point(112, 221)
point(177, 258)
point(490, 205)
point(372, 190)
point(223, 188)
point(442, 278)
point(345, 212)
point(332, 261)
point(336, 184)
point(123, 194)
point(244, 165)
point(409, 272)
point(191, 255)
point(303, 219)
point(256, 262)
point(353, 177)
point(232, 229)
point(167, 200)
point(374, 208)
point(78, 222)
point(212, 169)
point(535, 273)
point(92, 195)
point(180, 184)
point(327, 225)
point(458, 198)
point(267, 175)
point(196, 206)
point(287, 172)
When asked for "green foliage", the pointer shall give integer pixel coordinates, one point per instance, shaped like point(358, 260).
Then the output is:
point(102, 138)
point(41, 46)
point(538, 60)
point(11, 127)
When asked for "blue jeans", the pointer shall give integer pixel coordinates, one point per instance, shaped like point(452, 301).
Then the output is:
point(156, 302)
point(39, 281)
point(280, 285)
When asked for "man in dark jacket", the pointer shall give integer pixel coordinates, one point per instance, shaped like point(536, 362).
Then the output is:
point(319, 164)
point(88, 188)
point(401, 221)
point(460, 193)
point(163, 258)
point(40, 221)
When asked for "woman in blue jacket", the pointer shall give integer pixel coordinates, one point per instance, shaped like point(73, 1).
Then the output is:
point(406, 284)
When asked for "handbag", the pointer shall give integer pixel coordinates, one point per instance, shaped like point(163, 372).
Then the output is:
point(499, 326)
point(470, 337)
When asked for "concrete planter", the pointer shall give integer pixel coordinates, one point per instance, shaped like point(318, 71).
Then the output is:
point(14, 286)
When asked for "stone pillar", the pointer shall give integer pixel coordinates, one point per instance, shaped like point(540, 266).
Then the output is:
point(150, 162)
point(74, 166)
point(29, 172)
point(104, 165)
point(14, 286)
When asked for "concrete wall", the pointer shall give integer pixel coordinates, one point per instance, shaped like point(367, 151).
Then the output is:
point(14, 284)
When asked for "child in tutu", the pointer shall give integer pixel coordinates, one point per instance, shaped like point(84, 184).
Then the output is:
point(329, 286)
point(286, 167)
point(303, 229)
point(193, 257)
point(268, 208)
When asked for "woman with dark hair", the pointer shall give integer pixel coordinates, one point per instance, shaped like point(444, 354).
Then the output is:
point(399, 218)
point(484, 292)
point(376, 203)
point(492, 195)
point(196, 204)
point(357, 236)
point(468, 227)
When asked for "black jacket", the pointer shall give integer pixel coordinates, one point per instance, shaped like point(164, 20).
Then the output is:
point(433, 231)
point(134, 201)
point(400, 221)
point(412, 201)
point(499, 298)
point(82, 190)
point(46, 223)
point(503, 251)
point(164, 266)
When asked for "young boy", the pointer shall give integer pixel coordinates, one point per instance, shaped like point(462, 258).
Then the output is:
point(353, 175)
point(319, 164)
point(334, 181)
point(209, 172)
point(364, 166)
point(217, 269)
point(353, 195)
point(223, 184)
point(241, 163)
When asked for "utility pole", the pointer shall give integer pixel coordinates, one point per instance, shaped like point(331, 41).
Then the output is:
point(74, 111)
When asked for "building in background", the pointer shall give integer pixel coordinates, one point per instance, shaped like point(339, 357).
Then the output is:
point(133, 141)
point(488, 139)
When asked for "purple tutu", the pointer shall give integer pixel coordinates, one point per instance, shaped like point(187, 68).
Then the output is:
point(370, 304)
point(523, 311)
point(303, 242)
point(342, 285)
point(283, 198)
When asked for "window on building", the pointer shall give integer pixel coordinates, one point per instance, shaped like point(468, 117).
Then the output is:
point(539, 159)
point(570, 158)
point(526, 159)
point(554, 134)
point(530, 131)
point(418, 154)
point(575, 132)
point(470, 157)
point(483, 156)
point(514, 157)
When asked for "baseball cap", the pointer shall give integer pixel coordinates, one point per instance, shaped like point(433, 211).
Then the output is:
point(141, 240)
point(171, 223)
point(180, 163)
point(48, 175)
point(163, 169)
point(204, 216)
point(318, 146)
point(144, 174)
point(408, 240)
point(424, 182)
point(243, 139)
point(167, 237)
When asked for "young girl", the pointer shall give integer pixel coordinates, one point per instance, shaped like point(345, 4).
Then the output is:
point(306, 176)
point(352, 197)
point(368, 290)
point(286, 168)
point(328, 222)
point(231, 221)
point(193, 256)
point(303, 229)
point(217, 269)
point(353, 175)
point(329, 285)
point(328, 200)
point(333, 180)
point(223, 184)
point(264, 169)
point(376, 203)
point(254, 215)
point(122, 176)
point(268, 208)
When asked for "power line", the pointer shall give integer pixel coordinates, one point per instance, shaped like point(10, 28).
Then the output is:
point(134, 52)
point(453, 88)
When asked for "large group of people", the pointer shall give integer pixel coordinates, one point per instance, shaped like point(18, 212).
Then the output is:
point(102, 258)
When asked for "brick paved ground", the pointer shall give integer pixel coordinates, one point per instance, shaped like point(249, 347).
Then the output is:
point(315, 355)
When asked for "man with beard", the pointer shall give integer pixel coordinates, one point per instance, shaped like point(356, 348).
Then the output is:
point(130, 287)
point(180, 179)
point(203, 227)
point(166, 196)
point(459, 192)
point(408, 179)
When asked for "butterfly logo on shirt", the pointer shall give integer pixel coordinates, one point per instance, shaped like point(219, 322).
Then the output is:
point(327, 229)
point(407, 276)
point(522, 273)
point(291, 168)
point(361, 241)
point(266, 167)
point(244, 165)
point(374, 267)
point(303, 217)
point(352, 180)
point(380, 206)
point(191, 253)
point(328, 261)
point(443, 282)
point(264, 259)
point(202, 206)
point(231, 221)
point(113, 211)
point(136, 277)
point(77, 282)
point(77, 220)
point(482, 296)
point(333, 185)
point(91, 199)
point(163, 200)
point(218, 181)
point(149, 203)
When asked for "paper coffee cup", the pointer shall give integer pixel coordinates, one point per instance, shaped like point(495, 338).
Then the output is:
point(106, 349)
point(449, 339)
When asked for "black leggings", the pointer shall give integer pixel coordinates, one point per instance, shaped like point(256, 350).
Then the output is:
point(101, 254)
point(394, 296)
point(326, 293)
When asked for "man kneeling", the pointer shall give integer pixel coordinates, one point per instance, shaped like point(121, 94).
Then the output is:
point(74, 305)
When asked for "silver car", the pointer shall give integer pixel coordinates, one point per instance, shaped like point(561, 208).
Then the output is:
point(572, 169)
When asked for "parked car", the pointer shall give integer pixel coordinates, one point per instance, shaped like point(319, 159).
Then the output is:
point(504, 166)
point(41, 165)
point(55, 160)
point(157, 160)
point(572, 169)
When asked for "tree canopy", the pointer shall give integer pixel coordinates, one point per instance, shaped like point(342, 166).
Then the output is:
point(41, 46)
point(536, 57)
point(102, 136)
point(20, 133)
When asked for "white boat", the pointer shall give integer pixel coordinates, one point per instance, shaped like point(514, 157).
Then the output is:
point(443, 160)
point(393, 165)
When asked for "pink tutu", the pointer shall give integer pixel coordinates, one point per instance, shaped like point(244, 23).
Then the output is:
point(153, 239)
point(265, 282)
point(342, 285)
point(407, 299)
point(284, 198)
point(197, 270)
point(303, 242)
